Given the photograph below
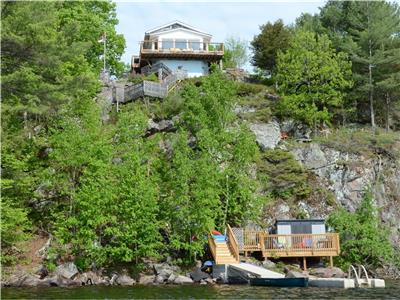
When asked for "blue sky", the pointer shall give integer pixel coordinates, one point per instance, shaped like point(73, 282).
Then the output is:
point(221, 19)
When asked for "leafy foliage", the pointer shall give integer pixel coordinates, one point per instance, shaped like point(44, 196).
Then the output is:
point(273, 37)
point(312, 78)
point(235, 53)
point(364, 240)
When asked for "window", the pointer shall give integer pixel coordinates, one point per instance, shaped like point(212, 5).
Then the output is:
point(167, 44)
point(194, 44)
point(180, 44)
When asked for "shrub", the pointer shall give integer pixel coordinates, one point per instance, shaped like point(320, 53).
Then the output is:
point(245, 88)
point(364, 239)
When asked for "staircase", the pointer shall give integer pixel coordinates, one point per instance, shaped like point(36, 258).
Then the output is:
point(224, 255)
point(168, 80)
point(223, 248)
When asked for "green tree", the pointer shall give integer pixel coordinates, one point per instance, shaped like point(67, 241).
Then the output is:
point(312, 77)
point(368, 31)
point(235, 55)
point(273, 37)
point(364, 240)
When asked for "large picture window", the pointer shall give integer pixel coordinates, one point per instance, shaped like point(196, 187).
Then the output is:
point(194, 44)
point(167, 44)
point(180, 44)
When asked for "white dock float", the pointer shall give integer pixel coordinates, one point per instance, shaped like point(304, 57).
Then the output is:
point(343, 283)
point(256, 271)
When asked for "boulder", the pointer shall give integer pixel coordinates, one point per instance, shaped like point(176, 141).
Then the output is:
point(197, 275)
point(333, 272)
point(92, 278)
point(42, 271)
point(268, 264)
point(146, 279)
point(160, 279)
point(295, 274)
point(180, 279)
point(165, 269)
point(26, 280)
point(268, 135)
point(124, 280)
point(171, 278)
point(67, 270)
point(210, 280)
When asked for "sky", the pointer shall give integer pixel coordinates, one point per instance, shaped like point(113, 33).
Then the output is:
point(221, 19)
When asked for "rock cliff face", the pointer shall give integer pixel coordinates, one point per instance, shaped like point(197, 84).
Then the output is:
point(346, 175)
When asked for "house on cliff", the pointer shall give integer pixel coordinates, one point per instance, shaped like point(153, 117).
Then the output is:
point(179, 47)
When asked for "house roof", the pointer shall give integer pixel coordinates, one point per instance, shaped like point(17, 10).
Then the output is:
point(174, 25)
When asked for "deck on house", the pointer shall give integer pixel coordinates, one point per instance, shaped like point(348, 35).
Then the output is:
point(154, 49)
point(241, 241)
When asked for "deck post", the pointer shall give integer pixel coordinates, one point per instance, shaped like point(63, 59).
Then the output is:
point(304, 263)
point(331, 261)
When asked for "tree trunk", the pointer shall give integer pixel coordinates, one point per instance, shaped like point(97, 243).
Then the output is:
point(371, 96)
point(387, 111)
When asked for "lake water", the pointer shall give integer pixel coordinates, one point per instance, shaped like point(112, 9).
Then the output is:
point(392, 291)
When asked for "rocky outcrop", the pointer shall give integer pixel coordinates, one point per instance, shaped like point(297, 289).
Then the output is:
point(347, 175)
point(67, 270)
point(268, 135)
point(124, 280)
point(295, 274)
point(333, 272)
point(180, 279)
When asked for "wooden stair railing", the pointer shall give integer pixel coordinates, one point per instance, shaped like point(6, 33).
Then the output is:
point(213, 246)
point(232, 243)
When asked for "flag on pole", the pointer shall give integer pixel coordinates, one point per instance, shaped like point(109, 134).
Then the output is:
point(103, 38)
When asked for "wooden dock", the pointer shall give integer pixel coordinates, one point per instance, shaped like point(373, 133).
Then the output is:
point(243, 241)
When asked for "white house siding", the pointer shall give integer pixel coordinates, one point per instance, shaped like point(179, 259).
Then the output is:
point(194, 68)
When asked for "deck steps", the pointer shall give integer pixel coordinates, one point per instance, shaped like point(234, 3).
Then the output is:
point(223, 254)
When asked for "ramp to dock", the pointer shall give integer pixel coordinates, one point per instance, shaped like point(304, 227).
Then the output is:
point(256, 271)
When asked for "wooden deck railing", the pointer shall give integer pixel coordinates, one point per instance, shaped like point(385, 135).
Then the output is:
point(295, 245)
point(232, 243)
point(292, 245)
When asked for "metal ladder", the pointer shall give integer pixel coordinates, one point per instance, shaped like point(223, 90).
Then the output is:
point(359, 280)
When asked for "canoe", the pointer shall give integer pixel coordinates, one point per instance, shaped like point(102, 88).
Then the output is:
point(282, 282)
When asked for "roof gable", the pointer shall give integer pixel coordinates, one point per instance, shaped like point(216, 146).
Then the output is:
point(175, 25)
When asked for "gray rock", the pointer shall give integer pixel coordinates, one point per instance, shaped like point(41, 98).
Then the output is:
point(211, 280)
point(295, 274)
point(268, 264)
point(334, 272)
point(197, 275)
point(125, 280)
point(243, 109)
point(146, 279)
point(160, 279)
point(171, 278)
point(268, 135)
point(67, 270)
point(180, 279)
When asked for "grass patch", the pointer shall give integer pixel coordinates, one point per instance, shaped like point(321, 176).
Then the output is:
point(364, 141)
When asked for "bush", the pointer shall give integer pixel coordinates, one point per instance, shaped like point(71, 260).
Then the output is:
point(245, 89)
point(364, 239)
point(282, 175)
